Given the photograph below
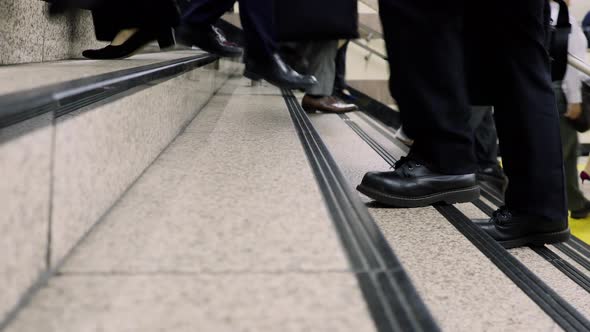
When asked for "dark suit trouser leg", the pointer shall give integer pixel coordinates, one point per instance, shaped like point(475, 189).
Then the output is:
point(256, 16)
point(525, 108)
point(425, 49)
point(486, 138)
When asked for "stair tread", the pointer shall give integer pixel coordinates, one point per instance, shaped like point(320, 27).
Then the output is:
point(461, 287)
point(16, 78)
point(227, 230)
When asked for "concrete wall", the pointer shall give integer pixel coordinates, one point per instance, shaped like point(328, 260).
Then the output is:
point(28, 34)
point(59, 176)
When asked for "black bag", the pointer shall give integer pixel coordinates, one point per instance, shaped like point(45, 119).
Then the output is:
point(560, 35)
point(307, 20)
point(582, 123)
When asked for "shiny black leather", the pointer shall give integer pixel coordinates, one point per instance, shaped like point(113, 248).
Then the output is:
point(414, 179)
point(514, 230)
point(209, 39)
point(132, 45)
point(277, 72)
point(414, 185)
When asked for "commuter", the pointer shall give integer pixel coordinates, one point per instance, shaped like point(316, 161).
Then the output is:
point(446, 53)
point(261, 58)
point(569, 104)
point(318, 58)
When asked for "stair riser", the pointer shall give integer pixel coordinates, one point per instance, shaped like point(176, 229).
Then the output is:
point(62, 178)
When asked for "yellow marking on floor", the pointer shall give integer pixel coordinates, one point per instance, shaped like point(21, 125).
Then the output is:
point(581, 228)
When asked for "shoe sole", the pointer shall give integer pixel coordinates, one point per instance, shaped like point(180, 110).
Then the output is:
point(256, 77)
point(537, 240)
point(464, 195)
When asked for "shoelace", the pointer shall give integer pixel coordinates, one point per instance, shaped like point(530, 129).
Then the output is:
point(501, 216)
point(405, 166)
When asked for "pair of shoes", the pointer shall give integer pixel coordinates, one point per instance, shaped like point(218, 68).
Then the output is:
point(414, 185)
point(584, 176)
point(513, 230)
point(209, 39)
point(494, 176)
point(276, 72)
point(581, 213)
point(327, 104)
point(132, 44)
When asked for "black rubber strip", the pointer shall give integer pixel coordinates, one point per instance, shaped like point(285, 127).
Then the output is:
point(63, 98)
point(574, 255)
point(564, 266)
point(580, 246)
point(546, 298)
point(392, 299)
point(555, 306)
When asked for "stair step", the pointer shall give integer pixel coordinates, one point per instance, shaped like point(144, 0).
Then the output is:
point(226, 231)
point(72, 141)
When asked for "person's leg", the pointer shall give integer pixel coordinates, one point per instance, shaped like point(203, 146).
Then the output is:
point(321, 63)
point(340, 79)
point(205, 12)
point(257, 17)
point(320, 56)
point(535, 211)
point(576, 201)
point(526, 114)
point(489, 171)
point(428, 80)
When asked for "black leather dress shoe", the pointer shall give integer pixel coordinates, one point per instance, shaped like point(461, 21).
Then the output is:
point(512, 230)
point(132, 45)
point(414, 185)
point(581, 213)
point(209, 39)
point(276, 72)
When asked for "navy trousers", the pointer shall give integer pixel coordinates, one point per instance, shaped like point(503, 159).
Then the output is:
point(257, 17)
point(443, 52)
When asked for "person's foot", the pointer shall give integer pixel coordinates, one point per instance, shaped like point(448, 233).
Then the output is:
point(327, 104)
point(494, 176)
point(581, 213)
point(209, 39)
point(513, 230)
point(130, 41)
point(276, 72)
point(414, 185)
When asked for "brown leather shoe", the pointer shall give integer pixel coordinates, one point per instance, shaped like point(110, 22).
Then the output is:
point(328, 104)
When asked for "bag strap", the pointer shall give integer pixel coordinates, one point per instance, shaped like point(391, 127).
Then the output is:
point(559, 42)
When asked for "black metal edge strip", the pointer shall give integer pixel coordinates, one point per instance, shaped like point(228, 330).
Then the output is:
point(545, 297)
point(574, 255)
point(44, 277)
point(392, 299)
point(564, 266)
point(66, 97)
point(581, 246)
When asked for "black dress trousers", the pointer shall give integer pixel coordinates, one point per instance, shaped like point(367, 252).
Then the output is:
point(113, 16)
point(257, 17)
point(443, 52)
